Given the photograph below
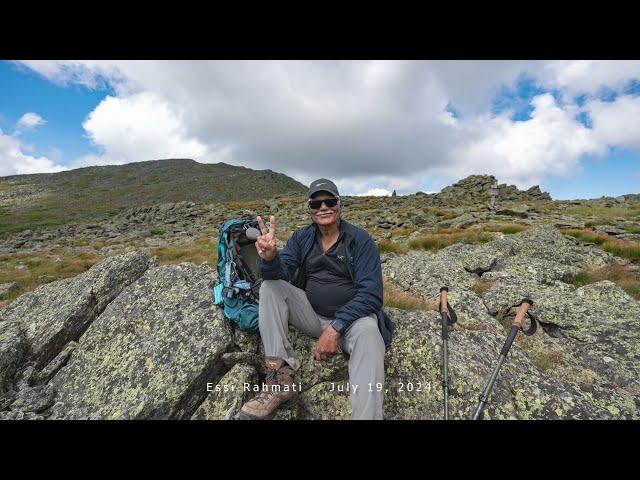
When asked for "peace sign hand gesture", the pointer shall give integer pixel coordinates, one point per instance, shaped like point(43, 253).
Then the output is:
point(266, 243)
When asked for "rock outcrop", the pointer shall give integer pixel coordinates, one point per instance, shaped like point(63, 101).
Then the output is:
point(150, 353)
point(583, 352)
point(13, 348)
point(49, 323)
point(476, 188)
point(129, 339)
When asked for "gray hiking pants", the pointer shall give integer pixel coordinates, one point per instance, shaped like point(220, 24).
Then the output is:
point(282, 304)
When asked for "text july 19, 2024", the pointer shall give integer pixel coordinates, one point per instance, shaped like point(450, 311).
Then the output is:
point(339, 387)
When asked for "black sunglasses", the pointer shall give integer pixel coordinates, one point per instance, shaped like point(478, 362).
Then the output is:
point(329, 202)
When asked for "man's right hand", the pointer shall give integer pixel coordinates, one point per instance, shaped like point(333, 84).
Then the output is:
point(266, 243)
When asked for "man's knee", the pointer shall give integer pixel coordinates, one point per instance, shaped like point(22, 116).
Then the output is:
point(268, 287)
point(367, 337)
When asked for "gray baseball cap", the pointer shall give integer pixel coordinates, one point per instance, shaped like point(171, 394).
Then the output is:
point(323, 185)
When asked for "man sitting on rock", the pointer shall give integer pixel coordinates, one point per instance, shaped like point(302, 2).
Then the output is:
point(327, 282)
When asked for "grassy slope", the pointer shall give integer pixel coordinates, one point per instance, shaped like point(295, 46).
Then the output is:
point(203, 249)
point(95, 192)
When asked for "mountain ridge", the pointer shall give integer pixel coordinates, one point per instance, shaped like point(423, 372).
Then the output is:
point(93, 193)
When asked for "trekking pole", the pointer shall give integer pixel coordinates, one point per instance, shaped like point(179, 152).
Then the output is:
point(448, 318)
point(516, 326)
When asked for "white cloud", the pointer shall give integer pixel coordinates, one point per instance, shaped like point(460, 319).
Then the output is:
point(136, 128)
point(589, 76)
point(618, 122)
point(522, 152)
point(368, 124)
point(28, 121)
point(90, 73)
point(363, 183)
point(13, 161)
point(375, 192)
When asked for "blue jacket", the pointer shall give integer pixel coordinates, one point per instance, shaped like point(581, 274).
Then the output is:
point(364, 267)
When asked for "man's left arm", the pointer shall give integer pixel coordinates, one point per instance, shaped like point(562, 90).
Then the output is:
point(367, 275)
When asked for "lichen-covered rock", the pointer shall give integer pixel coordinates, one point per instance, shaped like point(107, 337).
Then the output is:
point(227, 396)
point(426, 272)
point(546, 242)
point(573, 370)
point(59, 312)
point(323, 401)
point(20, 415)
point(414, 376)
point(610, 229)
point(57, 363)
point(6, 399)
point(508, 291)
point(13, 348)
point(34, 399)
point(156, 345)
point(476, 188)
point(521, 391)
point(246, 341)
point(463, 221)
point(150, 353)
point(536, 268)
point(541, 253)
point(471, 311)
point(517, 211)
point(478, 259)
point(589, 334)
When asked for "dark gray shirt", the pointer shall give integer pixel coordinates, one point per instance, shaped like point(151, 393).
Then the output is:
point(329, 285)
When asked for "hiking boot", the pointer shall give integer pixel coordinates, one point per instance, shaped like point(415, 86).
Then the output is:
point(264, 405)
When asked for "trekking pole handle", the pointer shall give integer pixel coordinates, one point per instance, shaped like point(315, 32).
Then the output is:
point(524, 306)
point(443, 300)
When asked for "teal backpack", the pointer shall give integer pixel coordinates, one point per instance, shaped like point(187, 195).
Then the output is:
point(236, 291)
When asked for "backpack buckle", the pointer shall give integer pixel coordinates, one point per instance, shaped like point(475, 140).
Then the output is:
point(230, 292)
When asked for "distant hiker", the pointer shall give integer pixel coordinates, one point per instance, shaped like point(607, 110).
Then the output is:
point(393, 194)
point(327, 282)
point(494, 192)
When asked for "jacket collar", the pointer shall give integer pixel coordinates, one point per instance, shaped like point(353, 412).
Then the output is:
point(344, 235)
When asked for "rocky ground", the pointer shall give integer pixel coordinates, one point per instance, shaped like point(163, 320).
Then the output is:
point(461, 205)
point(133, 338)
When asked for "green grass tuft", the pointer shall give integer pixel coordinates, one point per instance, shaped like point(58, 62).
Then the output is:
point(387, 246)
point(587, 236)
point(626, 279)
point(506, 228)
point(396, 298)
point(444, 238)
point(621, 248)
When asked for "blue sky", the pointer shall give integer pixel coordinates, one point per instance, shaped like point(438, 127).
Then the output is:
point(616, 174)
point(524, 126)
point(63, 108)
